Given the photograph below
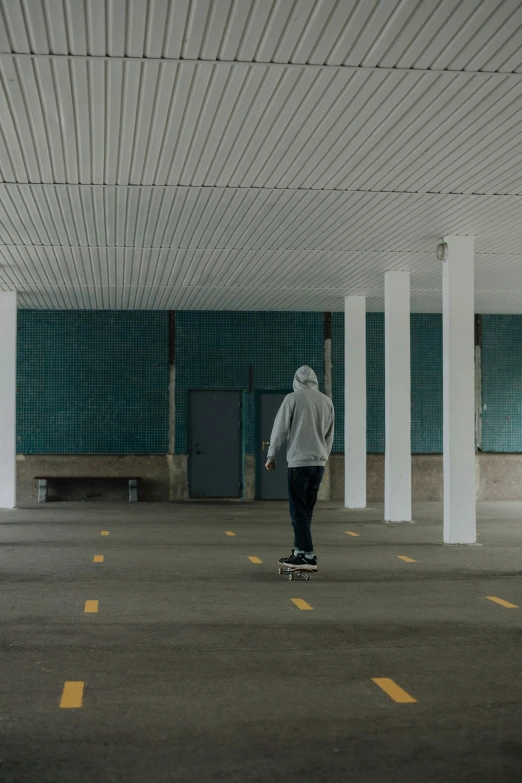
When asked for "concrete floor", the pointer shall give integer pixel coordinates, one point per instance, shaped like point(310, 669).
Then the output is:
point(198, 667)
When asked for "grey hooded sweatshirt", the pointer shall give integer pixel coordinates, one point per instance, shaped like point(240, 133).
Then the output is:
point(305, 422)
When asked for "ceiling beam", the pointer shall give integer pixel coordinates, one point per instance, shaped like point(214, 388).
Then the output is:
point(500, 75)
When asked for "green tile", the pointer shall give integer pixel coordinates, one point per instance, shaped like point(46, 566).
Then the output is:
point(92, 382)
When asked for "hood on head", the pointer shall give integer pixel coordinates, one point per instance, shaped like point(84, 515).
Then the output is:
point(305, 378)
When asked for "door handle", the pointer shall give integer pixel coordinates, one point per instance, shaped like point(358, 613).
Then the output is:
point(265, 444)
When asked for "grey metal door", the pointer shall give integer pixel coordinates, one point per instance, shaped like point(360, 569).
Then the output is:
point(272, 485)
point(215, 444)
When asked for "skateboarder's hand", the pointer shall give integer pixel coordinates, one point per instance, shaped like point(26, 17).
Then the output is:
point(270, 465)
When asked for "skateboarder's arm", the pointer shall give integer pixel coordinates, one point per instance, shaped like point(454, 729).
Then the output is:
point(280, 429)
point(330, 434)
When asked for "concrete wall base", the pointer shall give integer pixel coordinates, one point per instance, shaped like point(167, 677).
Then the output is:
point(498, 477)
point(326, 486)
point(399, 522)
point(249, 478)
point(426, 473)
point(153, 470)
point(164, 477)
point(178, 476)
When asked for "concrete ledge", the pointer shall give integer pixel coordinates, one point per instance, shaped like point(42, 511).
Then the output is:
point(426, 477)
point(153, 469)
point(178, 476)
point(498, 476)
point(249, 477)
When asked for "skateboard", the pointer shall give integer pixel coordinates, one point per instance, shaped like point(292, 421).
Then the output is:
point(294, 572)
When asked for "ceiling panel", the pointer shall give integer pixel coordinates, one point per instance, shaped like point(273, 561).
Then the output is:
point(257, 154)
point(104, 297)
point(243, 279)
point(449, 34)
point(236, 125)
point(245, 218)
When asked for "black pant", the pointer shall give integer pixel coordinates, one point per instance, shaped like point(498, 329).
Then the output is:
point(303, 486)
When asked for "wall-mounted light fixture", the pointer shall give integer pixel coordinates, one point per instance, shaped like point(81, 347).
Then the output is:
point(442, 251)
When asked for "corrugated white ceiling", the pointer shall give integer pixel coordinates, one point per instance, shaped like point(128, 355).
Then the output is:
point(257, 154)
point(469, 35)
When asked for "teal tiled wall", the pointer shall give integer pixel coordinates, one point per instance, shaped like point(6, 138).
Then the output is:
point(97, 382)
point(502, 383)
point(374, 381)
point(426, 382)
point(92, 382)
point(214, 351)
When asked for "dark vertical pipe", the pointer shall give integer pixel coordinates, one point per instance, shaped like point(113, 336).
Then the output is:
point(172, 381)
point(328, 354)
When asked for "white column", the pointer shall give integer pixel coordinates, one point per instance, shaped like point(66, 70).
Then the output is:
point(458, 296)
point(7, 400)
point(397, 463)
point(355, 402)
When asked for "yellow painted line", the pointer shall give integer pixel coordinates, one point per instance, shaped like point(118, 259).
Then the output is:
point(501, 602)
point(394, 691)
point(91, 606)
point(406, 559)
point(254, 559)
point(98, 559)
point(301, 604)
point(229, 533)
point(105, 532)
point(72, 695)
point(350, 533)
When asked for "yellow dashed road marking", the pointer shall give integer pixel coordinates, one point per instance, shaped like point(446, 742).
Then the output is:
point(98, 559)
point(301, 604)
point(91, 606)
point(254, 559)
point(229, 533)
point(350, 533)
point(406, 559)
point(105, 533)
point(394, 691)
point(72, 695)
point(501, 602)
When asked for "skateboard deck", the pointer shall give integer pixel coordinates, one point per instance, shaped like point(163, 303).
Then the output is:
point(294, 572)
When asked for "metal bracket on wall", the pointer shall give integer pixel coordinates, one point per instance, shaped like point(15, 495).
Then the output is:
point(478, 382)
point(43, 487)
point(133, 490)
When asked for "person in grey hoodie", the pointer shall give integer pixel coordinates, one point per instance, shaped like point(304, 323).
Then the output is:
point(305, 423)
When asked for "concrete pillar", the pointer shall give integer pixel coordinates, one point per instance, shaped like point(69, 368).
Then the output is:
point(355, 402)
point(397, 462)
point(458, 292)
point(7, 400)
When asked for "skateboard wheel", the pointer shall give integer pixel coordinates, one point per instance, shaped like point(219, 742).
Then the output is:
point(280, 571)
point(306, 576)
point(290, 577)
